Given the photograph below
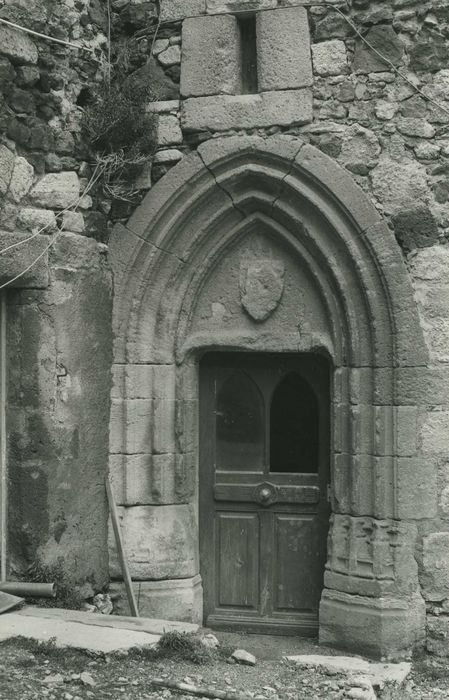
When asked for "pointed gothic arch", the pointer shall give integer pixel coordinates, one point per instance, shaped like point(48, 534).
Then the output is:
point(175, 298)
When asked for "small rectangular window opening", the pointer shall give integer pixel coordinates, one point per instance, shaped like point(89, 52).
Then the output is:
point(248, 37)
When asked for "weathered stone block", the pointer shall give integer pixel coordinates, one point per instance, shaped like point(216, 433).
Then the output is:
point(434, 300)
point(73, 221)
point(164, 107)
point(360, 149)
point(14, 261)
point(56, 190)
point(385, 40)
point(171, 56)
point(407, 430)
point(149, 479)
point(6, 168)
point(417, 488)
point(160, 542)
point(164, 380)
point(170, 156)
point(223, 112)
point(17, 45)
point(416, 127)
point(168, 130)
point(283, 50)
point(378, 551)
point(118, 382)
point(33, 219)
point(396, 626)
point(71, 251)
point(329, 57)
point(399, 185)
point(117, 426)
point(435, 575)
point(422, 385)
point(139, 417)
point(139, 381)
point(431, 265)
point(117, 477)
point(172, 10)
point(415, 228)
point(164, 426)
point(435, 433)
point(186, 424)
point(362, 434)
point(144, 479)
point(176, 599)
point(210, 56)
point(21, 180)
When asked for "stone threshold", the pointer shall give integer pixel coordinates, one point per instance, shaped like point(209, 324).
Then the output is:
point(92, 632)
point(141, 624)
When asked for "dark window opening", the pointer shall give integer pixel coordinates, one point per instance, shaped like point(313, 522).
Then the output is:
point(248, 37)
point(240, 424)
point(294, 427)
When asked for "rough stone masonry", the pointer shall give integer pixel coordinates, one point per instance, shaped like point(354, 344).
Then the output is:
point(381, 118)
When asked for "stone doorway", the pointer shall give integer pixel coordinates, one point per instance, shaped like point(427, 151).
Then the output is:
point(263, 490)
point(265, 245)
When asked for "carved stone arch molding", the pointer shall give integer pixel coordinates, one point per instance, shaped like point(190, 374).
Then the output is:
point(185, 266)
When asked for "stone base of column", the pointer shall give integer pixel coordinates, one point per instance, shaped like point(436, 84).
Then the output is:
point(174, 599)
point(389, 628)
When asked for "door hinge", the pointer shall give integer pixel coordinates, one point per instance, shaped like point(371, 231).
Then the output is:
point(328, 493)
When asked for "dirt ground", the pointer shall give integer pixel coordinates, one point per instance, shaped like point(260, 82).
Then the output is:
point(31, 672)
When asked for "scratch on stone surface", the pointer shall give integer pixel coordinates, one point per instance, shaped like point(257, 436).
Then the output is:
point(156, 247)
point(223, 189)
point(287, 174)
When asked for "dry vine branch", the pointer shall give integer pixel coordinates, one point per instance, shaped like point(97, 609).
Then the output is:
point(200, 691)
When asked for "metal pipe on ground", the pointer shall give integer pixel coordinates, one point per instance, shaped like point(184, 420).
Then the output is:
point(29, 590)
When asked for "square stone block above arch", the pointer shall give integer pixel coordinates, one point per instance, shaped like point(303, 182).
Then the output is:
point(283, 49)
point(210, 56)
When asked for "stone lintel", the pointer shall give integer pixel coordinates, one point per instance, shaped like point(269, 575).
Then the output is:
point(177, 10)
point(16, 260)
point(225, 112)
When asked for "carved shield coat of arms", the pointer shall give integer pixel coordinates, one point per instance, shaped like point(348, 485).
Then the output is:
point(261, 286)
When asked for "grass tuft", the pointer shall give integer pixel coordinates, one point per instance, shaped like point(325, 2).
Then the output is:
point(179, 646)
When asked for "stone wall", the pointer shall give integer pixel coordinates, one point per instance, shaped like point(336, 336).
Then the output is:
point(386, 129)
point(59, 311)
point(390, 132)
point(59, 357)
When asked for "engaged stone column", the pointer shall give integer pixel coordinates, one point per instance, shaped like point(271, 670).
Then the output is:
point(152, 468)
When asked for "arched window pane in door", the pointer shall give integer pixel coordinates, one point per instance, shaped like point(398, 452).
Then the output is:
point(240, 425)
point(294, 427)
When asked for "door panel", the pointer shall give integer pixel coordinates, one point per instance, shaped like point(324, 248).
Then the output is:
point(238, 559)
point(263, 489)
point(294, 570)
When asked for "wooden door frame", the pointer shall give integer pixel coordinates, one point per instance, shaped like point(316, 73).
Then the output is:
point(308, 625)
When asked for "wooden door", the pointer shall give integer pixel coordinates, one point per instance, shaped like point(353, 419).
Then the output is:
point(264, 466)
